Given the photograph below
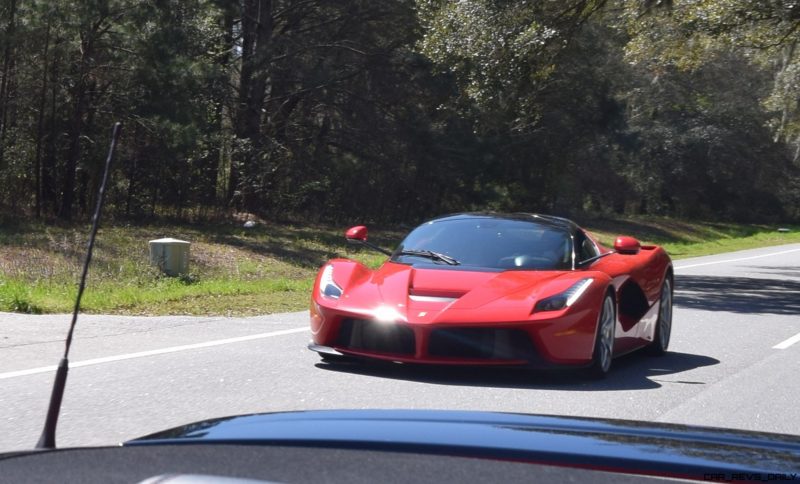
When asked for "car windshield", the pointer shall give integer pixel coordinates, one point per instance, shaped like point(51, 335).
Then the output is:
point(488, 243)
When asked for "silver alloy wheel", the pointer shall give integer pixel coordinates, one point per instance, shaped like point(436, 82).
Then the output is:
point(606, 334)
point(665, 315)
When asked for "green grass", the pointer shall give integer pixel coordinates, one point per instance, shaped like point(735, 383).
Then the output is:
point(684, 239)
point(270, 268)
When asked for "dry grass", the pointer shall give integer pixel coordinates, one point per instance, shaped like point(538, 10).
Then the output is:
point(233, 270)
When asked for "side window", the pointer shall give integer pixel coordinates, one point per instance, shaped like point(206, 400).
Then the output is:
point(584, 247)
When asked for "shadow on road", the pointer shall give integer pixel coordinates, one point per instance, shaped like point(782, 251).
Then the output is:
point(632, 372)
point(746, 295)
point(778, 271)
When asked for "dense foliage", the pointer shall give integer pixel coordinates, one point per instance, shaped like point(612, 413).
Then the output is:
point(397, 110)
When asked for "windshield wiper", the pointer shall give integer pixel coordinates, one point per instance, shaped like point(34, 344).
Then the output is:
point(431, 255)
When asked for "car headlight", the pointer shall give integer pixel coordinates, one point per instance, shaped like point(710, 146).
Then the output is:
point(327, 287)
point(564, 299)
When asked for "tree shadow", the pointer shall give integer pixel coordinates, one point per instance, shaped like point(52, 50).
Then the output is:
point(643, 230)
point(663, 230)
point(631, 372)
point(282, 250)
point(283, 244)
point(778, 271)
point(746, 295)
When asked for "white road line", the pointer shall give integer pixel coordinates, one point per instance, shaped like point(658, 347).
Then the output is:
point(142, 354)
point(736, 260)
point(789, 342)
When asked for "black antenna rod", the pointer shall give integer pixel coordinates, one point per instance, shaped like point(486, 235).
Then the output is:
point(48, 437)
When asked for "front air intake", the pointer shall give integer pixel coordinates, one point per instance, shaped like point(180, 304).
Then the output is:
point(377, 337)
point(481, 343)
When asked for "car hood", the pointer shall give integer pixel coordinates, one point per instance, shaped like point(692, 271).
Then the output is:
point(425, 295)
point(617, 445)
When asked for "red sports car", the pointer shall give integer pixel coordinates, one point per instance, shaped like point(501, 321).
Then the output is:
point(496, 289)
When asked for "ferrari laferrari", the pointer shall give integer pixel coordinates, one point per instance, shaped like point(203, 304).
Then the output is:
point(496, 289)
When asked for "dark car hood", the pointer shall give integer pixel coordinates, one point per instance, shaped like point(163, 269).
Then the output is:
point(626, 446)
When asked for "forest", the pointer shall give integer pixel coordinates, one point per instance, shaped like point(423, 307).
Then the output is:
point(396, 110)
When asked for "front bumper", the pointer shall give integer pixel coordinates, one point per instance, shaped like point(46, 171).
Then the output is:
point(472, 345)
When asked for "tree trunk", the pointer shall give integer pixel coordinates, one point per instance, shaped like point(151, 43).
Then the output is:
point(257, 27)
point(79, 94)
point(49, 199)
point(73, 152)
point(223, 124)
point(40, 125)
point(786, 61)
point(4, 82)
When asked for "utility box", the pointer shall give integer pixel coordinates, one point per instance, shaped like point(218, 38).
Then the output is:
point(170, 255)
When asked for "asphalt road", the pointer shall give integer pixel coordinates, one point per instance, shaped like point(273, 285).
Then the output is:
point(733, 362)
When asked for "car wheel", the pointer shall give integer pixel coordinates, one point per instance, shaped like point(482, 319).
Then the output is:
point(604, 342)
point(664, 324)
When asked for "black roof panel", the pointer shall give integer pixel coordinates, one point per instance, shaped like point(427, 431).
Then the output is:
point(548, 220)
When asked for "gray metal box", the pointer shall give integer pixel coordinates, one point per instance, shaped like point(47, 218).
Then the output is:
point(170, 255)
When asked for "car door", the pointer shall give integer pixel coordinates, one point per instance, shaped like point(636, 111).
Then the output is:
point(589, 257)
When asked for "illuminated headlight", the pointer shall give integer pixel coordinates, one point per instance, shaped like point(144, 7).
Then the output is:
point(386, 314)
point(564, 299)
point(327, 287)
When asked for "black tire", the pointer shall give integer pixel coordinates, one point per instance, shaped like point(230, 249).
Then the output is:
point(604, 341)
point(664, 324)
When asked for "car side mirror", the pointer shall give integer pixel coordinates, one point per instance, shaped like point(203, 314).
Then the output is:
point(627, 245)
point(356, 234)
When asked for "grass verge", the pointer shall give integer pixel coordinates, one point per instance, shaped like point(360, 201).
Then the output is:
point(269, 268)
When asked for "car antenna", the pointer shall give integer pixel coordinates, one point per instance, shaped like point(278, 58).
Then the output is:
point(48, 437)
